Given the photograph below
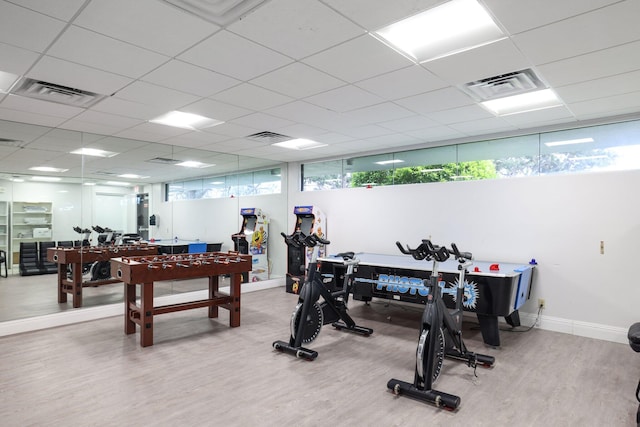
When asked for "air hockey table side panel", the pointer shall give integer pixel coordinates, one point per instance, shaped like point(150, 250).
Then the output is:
point(400, 278)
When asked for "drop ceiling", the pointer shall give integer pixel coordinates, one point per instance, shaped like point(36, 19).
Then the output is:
point(302, 68)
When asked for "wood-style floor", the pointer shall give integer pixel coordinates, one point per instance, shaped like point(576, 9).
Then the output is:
point(200, 372)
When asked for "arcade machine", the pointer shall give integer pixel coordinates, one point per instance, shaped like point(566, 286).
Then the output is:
point(252, 239)
point(309, 220)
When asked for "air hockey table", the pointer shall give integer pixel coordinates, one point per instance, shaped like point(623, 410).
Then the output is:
point(492, 289)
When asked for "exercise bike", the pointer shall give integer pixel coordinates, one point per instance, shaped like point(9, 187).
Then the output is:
point(310, 315)
point(441, 331)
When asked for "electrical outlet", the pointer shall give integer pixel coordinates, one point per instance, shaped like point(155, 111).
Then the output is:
point(541, 303)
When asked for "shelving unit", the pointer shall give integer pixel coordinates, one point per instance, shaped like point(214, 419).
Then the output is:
point(4, 227)
point(30, 222)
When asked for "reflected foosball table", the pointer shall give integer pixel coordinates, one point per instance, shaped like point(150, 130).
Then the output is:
point(143, 271)
point(72, 261)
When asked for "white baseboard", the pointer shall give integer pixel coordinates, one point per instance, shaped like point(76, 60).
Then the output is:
point(549, 323)
point(575, 327)
point(19, 326)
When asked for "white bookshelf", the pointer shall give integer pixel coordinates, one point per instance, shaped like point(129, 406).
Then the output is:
point(30, 222)
point(4, 227)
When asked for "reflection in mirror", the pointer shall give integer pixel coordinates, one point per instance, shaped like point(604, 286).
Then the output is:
point(124, 188)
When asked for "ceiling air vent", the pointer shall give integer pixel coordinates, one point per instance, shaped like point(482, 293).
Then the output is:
point(269, 137)
point(163, 161)
point(220, 12)
point(13, 143)
point(52, 92)
point(503, 85)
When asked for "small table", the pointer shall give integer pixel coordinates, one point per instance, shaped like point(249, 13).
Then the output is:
point(73, 259)
point(144, 271)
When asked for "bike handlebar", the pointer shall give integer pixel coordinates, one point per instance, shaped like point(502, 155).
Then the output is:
point(428, 251)
point(299, 239)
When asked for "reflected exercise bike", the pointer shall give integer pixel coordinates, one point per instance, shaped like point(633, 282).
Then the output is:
point(310, 314)
point(441, 330)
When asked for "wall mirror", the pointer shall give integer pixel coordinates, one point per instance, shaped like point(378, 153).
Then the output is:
point(121, 187)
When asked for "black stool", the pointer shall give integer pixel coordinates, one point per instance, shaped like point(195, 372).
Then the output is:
point(634, 342)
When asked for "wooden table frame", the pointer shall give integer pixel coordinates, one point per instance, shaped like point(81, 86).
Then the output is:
point(73, 259)
point(134, 273)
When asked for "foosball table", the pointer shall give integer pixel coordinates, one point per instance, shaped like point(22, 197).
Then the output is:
point(143, 271)
point(72, 261)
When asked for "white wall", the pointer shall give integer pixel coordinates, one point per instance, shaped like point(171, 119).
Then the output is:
point(215, 220)
point(558, 220)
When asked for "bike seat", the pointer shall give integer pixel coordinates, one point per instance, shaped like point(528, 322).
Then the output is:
point(634, 337)
point(346, 255)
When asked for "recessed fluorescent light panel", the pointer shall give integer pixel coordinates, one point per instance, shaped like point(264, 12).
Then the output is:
point(452, 27)
point(530, 101)
point(47, 169)
point(118, 183)
point(194, 164)
point(389, 162)
point(186, 120)
point(568, 142)
point(132, 176)
point(46, 178)
point(95, 152)
point(6, 81)
point(299, 144)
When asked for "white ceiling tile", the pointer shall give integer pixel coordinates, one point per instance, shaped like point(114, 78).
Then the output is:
point(612, 105)
point(21, 131)
point(608, 62)
point(481, 126)
point(298, 81)
point(489, 60)
point(367, 131)
point(375, 14)
point(60, 9)
point(358, 59)
point(77, 76)
point(437, 100)
point(16, 60)
point(406, 124)
point(301, 130)
point(189, 78)
point(126, 108)
point(30, 117)
point(296, 28)
point(378, 113)
point(232, 130)
point(402, 83)
point(40, 107)
point(169, 32)
point(305, 113)
point(394, 140)
point(151, 132)
point(519, 16)
point(600, 88)
point(582, 34)
point(18, 27)
point(436, 133)
point(540, 117)
point(344, 98)
point(195, 139)
point(252, 97)
point(94, 50)
point(234, 56)
point(332, 138)
point(460, 114)
point(149, 94)
point(215, 110)
point(112, 120)
point(101, 128)
point(262, 121)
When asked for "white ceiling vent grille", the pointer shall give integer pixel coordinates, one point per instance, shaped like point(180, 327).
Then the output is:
point(220, 12)
point(163, 161)
point(52, 92)
point(269, 137)
point(13, 143)
point(503, 85)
